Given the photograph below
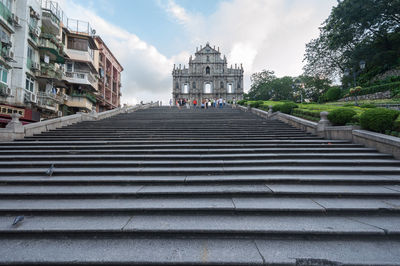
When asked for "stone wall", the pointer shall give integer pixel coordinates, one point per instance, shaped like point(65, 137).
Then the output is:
point(374, 96)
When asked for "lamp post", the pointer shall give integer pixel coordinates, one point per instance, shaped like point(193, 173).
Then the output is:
point(355, 73)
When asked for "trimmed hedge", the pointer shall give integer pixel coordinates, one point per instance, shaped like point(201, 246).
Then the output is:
point(368, 105)
point(285, 108)
point(378, 119)
point(242, 102)
point(394, 87)
point(396, 124)
point(341, 116)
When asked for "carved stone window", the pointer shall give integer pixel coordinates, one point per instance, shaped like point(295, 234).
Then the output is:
point(208, 70)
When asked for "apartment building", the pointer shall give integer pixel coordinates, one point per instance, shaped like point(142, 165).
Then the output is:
point(50, 78)
point(20, 30)
point(109, 85)
point(81, 67)
point(51, 65)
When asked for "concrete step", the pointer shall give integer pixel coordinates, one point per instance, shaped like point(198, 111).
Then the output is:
point(185, 157)
point(166, 170)
point(215, 204)
point(199, 163)
point(196, 251)
point(265, 224)
point(323, 179)
point(59, 191)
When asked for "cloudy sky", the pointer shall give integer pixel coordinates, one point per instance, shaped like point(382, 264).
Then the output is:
point(149, 36)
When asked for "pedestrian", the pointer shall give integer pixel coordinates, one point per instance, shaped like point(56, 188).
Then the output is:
point(220, 102)
point(187, 103)
point(170, 103)
point(194, 103)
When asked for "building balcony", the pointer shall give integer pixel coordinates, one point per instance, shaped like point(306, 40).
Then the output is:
point(47, 104)
point(50, 22)
point(34, 33)
point(50, 71)
point(42, 95)
point(83, 101)
point(6, 15)
point(77, 55)
point(85, 78)
point(54, 46)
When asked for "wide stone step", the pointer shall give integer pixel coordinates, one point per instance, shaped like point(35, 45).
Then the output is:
point(58, 191)
point(388, 179)
point(200, 163)
point(98, 143)
point(185, 157)
point(196, 146)
point(216, 251)
point(265, 224)
point(166, 170)
point(207, 203)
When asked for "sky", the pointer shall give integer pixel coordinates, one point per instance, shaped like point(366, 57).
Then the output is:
point(149, 36)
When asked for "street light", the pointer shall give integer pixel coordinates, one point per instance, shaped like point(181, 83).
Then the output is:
point(361, 64)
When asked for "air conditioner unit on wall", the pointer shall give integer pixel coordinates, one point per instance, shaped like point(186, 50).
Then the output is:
point(59, 113)
point(35, 66)
point(8, 91)
point(33, 98)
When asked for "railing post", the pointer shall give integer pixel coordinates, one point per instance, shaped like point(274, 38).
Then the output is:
point(323, 124)
point(270, 111)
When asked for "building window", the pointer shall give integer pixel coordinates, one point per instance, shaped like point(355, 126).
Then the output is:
point(78, 44)
point(70, 67)
point(194, 85)
point(221, 85)
point(185, 88)
point(30, 52)
point(207, 70)
point(30, 84)
point(208, 58)
point(230, 88)
point(177, 85)
point(207, 88)
point(3, 74)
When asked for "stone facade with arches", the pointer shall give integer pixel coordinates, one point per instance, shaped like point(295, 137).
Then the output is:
point(207, 77)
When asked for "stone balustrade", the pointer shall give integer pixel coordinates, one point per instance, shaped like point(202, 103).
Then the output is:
point(15, 129)
point(381, 142)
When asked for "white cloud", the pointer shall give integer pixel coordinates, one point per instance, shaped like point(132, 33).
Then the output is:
point(147, 72)
point(261, 34)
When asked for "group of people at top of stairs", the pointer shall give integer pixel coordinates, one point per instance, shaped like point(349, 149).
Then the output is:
point(204, 104)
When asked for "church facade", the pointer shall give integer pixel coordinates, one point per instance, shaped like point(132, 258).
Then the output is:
point(207, 77)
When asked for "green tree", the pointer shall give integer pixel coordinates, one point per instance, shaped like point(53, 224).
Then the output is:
point(356, 30)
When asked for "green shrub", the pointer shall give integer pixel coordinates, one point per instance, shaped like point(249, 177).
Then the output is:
point(287, 107)
point(356, 119)
point(395, 134)
point(341, 116)
point(368, 105)
point(276, 107)
point(255, 104)
point(348, 105)
point(333, 94)
point(392, 86)
point(396, 124)
point(378, 119)
point(242, 102)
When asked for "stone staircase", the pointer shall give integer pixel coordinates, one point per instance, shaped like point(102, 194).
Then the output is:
point(213, 187)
